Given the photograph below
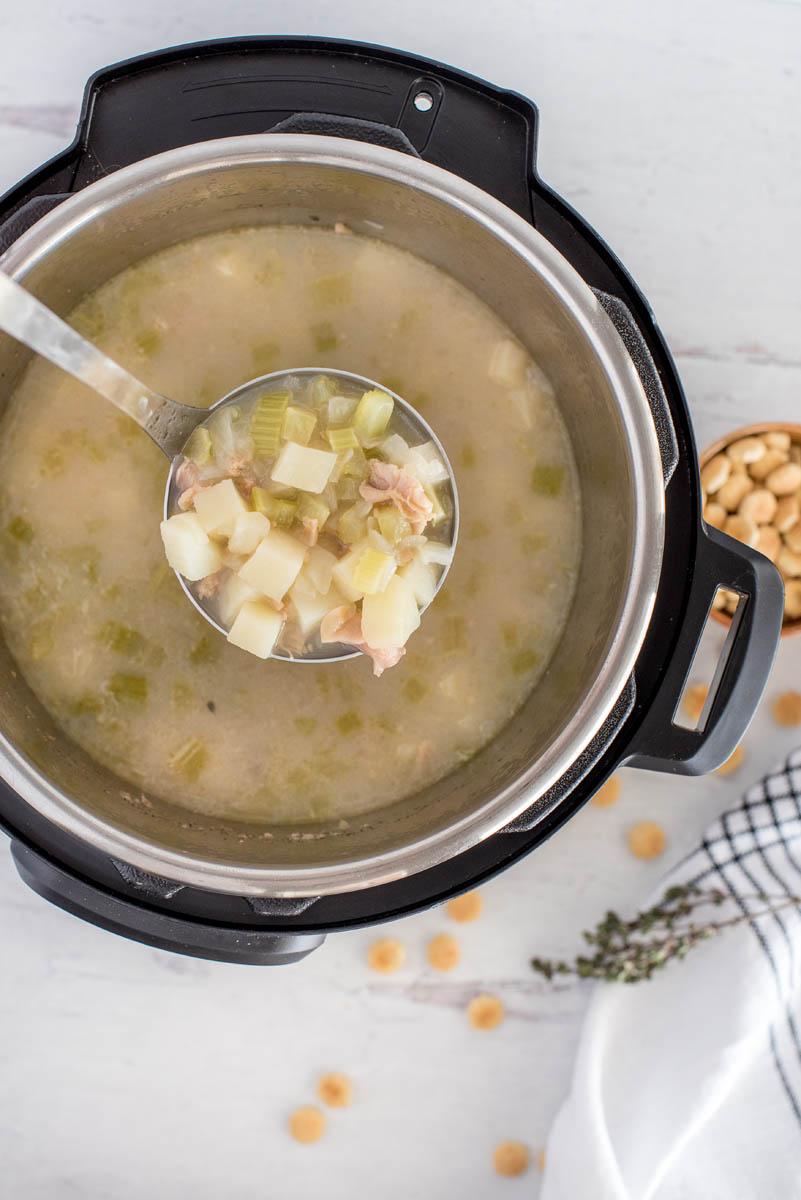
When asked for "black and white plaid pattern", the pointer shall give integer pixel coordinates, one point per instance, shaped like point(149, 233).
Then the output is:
point(751, 850)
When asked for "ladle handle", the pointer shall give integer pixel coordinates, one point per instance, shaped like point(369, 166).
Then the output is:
point(36, 326)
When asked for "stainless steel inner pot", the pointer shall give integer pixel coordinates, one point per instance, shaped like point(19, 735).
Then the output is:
point(301, 179)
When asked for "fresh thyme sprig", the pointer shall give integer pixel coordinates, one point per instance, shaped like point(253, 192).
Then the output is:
point(628, 951)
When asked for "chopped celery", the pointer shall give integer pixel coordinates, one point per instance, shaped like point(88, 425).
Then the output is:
point(278, 511)
point(266, 422)
point(467, 456)
point(21, 529)
point(129, 689)
point(313, 507)
point(352, 525)
point(478, 529)
point(349, 722)
point(88, 704)
point(121, 638)
point(322, 389)
point(149, 342)
point(354, 465)
point(414, 689)
point(189, 759)
point(524, 661)
point(333, 291)
point(347, 488)
point(373, 414)
point(324, 337)
point(198, 447)
point(204, 651)
point(392, 523)
point(547, 480)
point(533, 542)
point(298, 425)
point(373, 571)
point(342, 439)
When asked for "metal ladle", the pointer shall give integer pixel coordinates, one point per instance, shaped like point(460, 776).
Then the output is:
point(170, 424)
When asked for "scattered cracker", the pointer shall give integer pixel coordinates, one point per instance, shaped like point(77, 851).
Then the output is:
point(443, 952)
point(693, 701)
point(511, 1158)
point(646, 839)
point(485, 1012)
point(733, 763)
point(608, 793)
point(786, 709)
point(307, 1124)
point(386, 955)
point(465, 908)
point(335, 1090)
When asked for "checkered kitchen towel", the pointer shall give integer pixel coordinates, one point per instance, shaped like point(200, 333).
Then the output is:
point(688, 1086)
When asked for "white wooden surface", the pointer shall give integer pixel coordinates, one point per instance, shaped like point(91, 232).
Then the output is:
point(125, 1072)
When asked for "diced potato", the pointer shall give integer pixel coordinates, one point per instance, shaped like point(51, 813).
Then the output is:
point(319, 566)
point(230, 598)
point(311, 608)
point(249, 529)
point(390, 617)
point(187, 546)
point(508, 363)
point(342, 574)
point(395, 449)
point(422, 578)
point(436, 552)
point(373, 571)
point(340, 409)
point(425, 461)
point(218, 507)
point(352, 524)
point(303, 467)
point(256, 628)
point(274, 565)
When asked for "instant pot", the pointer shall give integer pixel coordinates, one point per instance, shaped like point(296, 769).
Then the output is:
point(303, 130)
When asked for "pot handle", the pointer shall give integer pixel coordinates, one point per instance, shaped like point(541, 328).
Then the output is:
point(165, 931)
point(742, 671)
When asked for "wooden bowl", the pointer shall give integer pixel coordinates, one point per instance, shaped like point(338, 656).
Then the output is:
point(788, 626)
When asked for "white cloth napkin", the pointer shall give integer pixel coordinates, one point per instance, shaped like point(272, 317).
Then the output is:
point(688, 1086)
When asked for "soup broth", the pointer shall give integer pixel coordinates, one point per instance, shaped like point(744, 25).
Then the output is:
point(98, 623)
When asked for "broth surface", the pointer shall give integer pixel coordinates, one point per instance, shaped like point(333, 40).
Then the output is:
point(88, 603)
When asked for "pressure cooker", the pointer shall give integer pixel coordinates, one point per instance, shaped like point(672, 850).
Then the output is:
point(258, 130)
